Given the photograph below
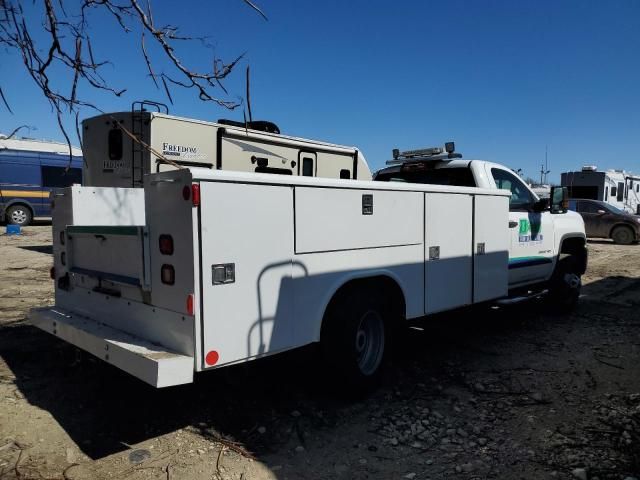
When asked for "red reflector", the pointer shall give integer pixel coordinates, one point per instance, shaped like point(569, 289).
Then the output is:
point(168, 274)
point(195, 194)
point(52, 273)
point(166, 244)
point(212, 357)
point(190, 309)
point(186, 192)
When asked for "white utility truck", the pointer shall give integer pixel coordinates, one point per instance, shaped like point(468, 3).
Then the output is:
point(114, 159)
point(205, 268)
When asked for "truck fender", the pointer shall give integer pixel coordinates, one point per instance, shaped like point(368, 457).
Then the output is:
point(576, 245)
point(352, 278)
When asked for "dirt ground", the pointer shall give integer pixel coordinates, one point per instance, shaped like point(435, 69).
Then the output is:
point(517, 393)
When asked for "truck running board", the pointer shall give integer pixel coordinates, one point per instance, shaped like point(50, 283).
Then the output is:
point(521, 298)
point(147, 361)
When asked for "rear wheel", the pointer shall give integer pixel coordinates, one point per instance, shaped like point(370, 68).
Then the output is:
point(622, 235)
point(565, 284)
point(18, 215)
point(355, 338)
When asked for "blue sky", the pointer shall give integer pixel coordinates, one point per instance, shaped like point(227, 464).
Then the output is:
point(500, 78)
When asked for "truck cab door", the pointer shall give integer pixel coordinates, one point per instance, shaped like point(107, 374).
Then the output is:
point(531, 233)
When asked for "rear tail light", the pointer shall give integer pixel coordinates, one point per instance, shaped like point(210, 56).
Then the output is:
point(168, 274)
point(192, 193)
point(190, 304)
point(166, 244)
point(62, 238)
point(52, 273)
point(195, 194)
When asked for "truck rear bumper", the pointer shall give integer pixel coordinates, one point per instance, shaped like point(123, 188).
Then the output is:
point(142, 359)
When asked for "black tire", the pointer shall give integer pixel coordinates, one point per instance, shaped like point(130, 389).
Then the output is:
point(356, 339)
point(18, 215)
point(622, 235)
point(565, 285)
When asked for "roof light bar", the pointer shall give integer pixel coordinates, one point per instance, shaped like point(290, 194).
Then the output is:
point(425, 154)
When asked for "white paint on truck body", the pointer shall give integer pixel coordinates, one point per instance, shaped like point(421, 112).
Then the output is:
point(263, 255)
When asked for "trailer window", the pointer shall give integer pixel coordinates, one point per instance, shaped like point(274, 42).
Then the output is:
point(307, 167)
point(115, 144)
point(59, 177)
point(606, 193)
point(620, 195)
point(614, 191)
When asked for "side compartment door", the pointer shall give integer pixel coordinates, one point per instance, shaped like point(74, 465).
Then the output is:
point(246, 252)
point(491, 250)
point(448, 251)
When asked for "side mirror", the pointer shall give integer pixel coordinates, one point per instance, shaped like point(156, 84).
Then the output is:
point(559, 199)
point(541, 205)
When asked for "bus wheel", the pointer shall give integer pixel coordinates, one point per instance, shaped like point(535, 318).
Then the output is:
point(18, 215)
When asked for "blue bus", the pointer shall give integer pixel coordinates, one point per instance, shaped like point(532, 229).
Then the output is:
point(29, 171)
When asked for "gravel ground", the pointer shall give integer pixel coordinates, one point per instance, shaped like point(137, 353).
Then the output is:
point(516, 393)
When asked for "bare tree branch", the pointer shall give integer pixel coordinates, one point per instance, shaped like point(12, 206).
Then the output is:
point(16, 130)
point(256, 8)
point(4, 100)
point(64, 44)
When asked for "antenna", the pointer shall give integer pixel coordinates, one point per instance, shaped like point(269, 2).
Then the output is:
point(544, 168)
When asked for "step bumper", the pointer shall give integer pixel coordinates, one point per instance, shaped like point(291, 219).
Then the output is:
point(149, 362)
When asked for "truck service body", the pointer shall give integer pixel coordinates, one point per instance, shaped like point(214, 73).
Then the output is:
point(217, 267)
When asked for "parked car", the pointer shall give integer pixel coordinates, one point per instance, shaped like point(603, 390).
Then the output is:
point(602, 220)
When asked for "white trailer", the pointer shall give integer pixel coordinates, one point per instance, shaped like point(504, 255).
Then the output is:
point(615, 187)
point(114, 159)
point(215, 268)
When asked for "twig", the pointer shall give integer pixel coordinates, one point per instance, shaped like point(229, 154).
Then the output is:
point(607, 363)
point(15, 467)
point(222, 449)
point(66, 470)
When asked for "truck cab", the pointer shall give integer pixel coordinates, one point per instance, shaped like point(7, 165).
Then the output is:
point(539, 236)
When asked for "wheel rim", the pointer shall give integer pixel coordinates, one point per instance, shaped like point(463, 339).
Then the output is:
point(369, 342)
point(572, 281)
point(19, 216)
point(623, 236)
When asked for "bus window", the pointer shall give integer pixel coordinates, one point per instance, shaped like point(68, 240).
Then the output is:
point(59, 177)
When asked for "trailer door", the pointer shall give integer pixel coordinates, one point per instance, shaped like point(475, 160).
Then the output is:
point(246, 251)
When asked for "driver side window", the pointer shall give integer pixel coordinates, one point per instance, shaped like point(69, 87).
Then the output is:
point(521, 197)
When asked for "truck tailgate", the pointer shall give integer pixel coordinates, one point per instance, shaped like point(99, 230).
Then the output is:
point(115, 253)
